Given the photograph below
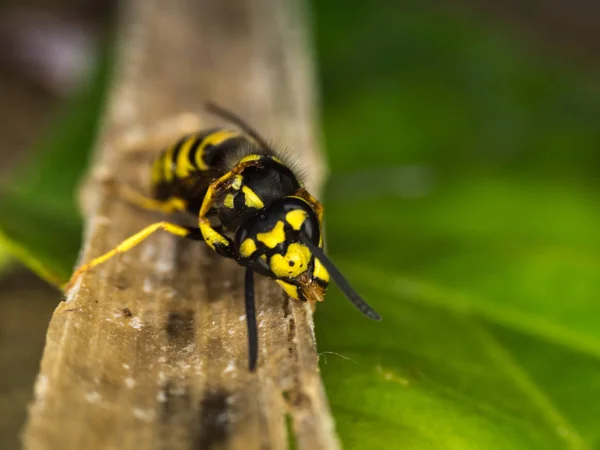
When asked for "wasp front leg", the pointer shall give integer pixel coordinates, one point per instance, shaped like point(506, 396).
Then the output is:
point(129, 243)
point(216, 240)
point(213, 237)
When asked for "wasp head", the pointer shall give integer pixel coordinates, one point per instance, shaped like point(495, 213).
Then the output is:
point(273, 243)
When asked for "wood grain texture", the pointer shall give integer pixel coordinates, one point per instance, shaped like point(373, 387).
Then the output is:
point(150, 349)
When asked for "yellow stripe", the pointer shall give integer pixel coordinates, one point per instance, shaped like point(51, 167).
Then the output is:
point(273, 237)
point(296, 218)
point(216, 138)
point(320, 272)
point(168, 164)
point(247, 248)
point(251, 199)
point(236, 183)
point(249, 158)
point(228, 202)
point(183, 168)
point(289, 289)
point(157, 170)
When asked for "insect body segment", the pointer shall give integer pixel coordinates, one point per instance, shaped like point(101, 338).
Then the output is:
point(185, 169)
point(270, 244)
point(251, 207)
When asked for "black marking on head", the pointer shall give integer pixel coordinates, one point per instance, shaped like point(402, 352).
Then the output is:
point(276, 212)
point(265, 221)
point(270, 181)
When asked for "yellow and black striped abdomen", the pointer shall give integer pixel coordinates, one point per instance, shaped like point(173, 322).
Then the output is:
point(185, 169)
point(192, 154)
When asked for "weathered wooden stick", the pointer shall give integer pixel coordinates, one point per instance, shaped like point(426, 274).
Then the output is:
point(150, 349)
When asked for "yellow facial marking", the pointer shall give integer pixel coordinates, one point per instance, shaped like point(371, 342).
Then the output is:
point(236, 183)
point(252, 200)
point(216, 138)
point(296, 218)
point(228, 202)
point(211, 237)
point(263, 257)
point(250, 158)
point(273, 237)
point(289, 289)
point(276, 159)
point(320, 272)
point(183, 167)
point(293, 263)
point(247, 248)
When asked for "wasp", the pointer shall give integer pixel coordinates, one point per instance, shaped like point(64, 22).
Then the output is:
point(251, 207)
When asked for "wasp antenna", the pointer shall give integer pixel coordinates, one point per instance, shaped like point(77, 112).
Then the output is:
point(237, 120)
point(340, 280)
point(251, 320)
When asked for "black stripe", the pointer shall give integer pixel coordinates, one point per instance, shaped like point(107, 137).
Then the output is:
point(194, 149)
point(175, 154)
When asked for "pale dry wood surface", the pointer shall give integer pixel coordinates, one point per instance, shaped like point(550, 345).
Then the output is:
point(150, 349)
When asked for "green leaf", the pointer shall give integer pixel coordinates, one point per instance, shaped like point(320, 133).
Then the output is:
point(463, 207)
point(39, 220)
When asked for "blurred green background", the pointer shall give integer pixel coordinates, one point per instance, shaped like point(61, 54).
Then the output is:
point(464, 149)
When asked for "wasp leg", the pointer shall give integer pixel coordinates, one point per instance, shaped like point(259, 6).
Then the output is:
point(162, 134)
point(213, 238)
point(136, 198)
point(132, 241)
point(216, 240)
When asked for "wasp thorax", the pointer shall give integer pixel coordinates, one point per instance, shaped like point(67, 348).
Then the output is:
point(272, 244)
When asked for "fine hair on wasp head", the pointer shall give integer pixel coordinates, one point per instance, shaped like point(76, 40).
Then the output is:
point(264, 147)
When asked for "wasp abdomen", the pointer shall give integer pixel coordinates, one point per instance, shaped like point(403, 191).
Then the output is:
point(185, 169)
